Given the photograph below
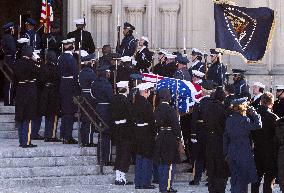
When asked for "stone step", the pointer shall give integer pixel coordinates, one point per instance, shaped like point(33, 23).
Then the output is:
point(9, 126)
point(26, 172)
point(7, 109)
point(48, 161)
point(7, 118)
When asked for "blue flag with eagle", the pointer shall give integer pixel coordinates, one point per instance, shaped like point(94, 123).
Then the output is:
point(242, 31)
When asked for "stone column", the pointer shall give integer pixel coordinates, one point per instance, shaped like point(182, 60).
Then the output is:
point(169, 19)
point(134, 16)
point(74, 9)
point(101, 22)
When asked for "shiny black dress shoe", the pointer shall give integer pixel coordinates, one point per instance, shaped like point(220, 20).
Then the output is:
point(193, 183)
point(38, 137)
point(29, 146)
point(148, 187)
point(52, 140)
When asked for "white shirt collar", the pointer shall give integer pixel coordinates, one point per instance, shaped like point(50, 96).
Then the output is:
point(68, 52)
point(257, 96)
point(142, 48)
point(199, 81)
point(165, 103)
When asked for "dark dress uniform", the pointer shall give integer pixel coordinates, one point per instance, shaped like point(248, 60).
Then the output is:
point(256, 101)
point(171, 69)
point(216, 73)
point(160, 69)
point(69, 88)
point(49, 97)
point(25, 74)
point(198, 65)
point(241, 89)
point(236, 141)
point(86, 77)
point(103, 93)
point(280, 142)
point(128, 46)
point(8, 44)
point(144, 140)
point(264, 149)
point(122, 131)
point(166, 152)
point(228, 100)
point(182, 74)
point(214, 125)
point(87, 40)
point(144, 60)
point(124, 70)
point(54, 42)
point(278, 107)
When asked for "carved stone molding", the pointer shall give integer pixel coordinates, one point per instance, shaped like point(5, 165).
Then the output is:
point(135, 9)
point(173, 7)
point(103, 10)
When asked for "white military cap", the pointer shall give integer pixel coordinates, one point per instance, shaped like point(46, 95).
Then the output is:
point(23, 40)
point(259, 84)
point(170, 56)
point(122, 84)
point(144, 86)
point(71, 40)
point(79, 21)
point(145, 38)
point(279, 87)
point(195, 51)
point(84, 53)
point(198, 73)
point(126, 59)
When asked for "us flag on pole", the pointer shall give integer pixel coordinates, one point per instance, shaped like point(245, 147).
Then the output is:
point(46, 15)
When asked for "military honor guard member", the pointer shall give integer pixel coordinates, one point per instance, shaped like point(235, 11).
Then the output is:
point(69, 87)
point(102, 91)
point(196, 58)
point(80, 34)
point(257, 91)
point(144, 137)
point(144, 56)
point(237, 145)
point(166, 151)
point(217, 70)
point(230, 95)
point(124, 69)
point(26, 95)
point(8, 44)
point(122, 132)
point(128, 44)
point(278, 107)
point(31, 34)
point(171, 66)
point(240, 84)
point(265, 146)
point(182, 71)
point(49, 105)
point(160, 68)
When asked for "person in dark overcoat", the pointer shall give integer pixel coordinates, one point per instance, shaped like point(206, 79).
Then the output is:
point(69, 87)
point(143, 56)
point(144, 137)
point(264, 145)
point(160, 68)
point(166, 151)
point(124, 69)
point(279, 132)
point(31, 34)
point(25, 74)
point(182, 71)
point(128, 44)
point(240, 84)
point(49, 96)
point(237, 146)
point(217, 70)
point(122, 132)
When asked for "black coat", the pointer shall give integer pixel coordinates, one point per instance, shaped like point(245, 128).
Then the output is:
point(241, 89)
point(144, 137)
point(144, 60)
point(49, 96)
point(280, 142)
point(25, 70)
point(216, 73)
point(278, 108)
point(166, 149)
point(88, 43)
point(124, 71)
point(54, 42)
point(128, 46)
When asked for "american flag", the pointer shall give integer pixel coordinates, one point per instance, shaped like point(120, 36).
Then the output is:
point(185, 91)
point(46, 15)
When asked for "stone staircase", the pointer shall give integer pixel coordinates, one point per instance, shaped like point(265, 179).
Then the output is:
point(51, 164)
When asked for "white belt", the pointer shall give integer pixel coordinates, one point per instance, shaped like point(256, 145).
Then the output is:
point(27, 81)
point(68, 77)
point(120, 122)
point(86, 90)
point(165, 128)
point(103, 103)
point(141, 124)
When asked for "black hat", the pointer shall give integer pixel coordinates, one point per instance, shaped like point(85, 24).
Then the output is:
point(128, 26)
point(27, 51)
point(182, 60)
point(207, 85)
point(214, 51)
point(51, 56)
point(8, 25)
point(164, 94)
point(31, 21)
point(238, 71)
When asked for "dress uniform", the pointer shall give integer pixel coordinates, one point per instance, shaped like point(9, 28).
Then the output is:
point(69, 88)
point(8, 44)
point(237, 146)
point(103, 93)
point(278, 107)
point(264, 146)
point(160, 68)
point(217, 70)
point(241, 87)
point(230, 95)
point(122, 132)
point(182, 71)
point(279, 133)
point(257, 89)
point(49, 97)
point(87, 43)
point(20, 44)
point(166, 151)
point(26, 73)
point(196, 59)
point(144, 56)
point(86, 77)
point(136, 79)
point(31, 34)
point(171, 65)
point(144, 137)
point(128, 44)
point(124, 69)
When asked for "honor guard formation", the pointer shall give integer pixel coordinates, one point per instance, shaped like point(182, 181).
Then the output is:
point(225, 132)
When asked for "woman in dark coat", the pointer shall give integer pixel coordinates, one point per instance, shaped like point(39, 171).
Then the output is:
point(166, 152)
point(49, 98)
point(236, 145)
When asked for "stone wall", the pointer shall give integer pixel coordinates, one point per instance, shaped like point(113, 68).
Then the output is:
point(170, 23)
